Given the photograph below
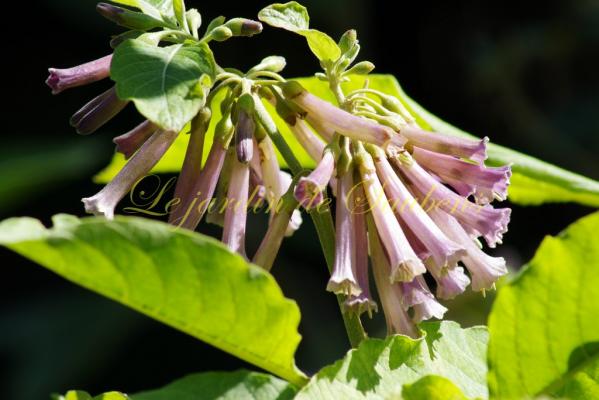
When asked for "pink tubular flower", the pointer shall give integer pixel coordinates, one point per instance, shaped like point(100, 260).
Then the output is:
point(341, 121)
point(405, 264)
point(343, 279)
point(296, 220)
point(236, 214)
point(97, 112)
point(485, 183)
point(362, 302)
point(142, 162)
point(308, 140)
point(475, 150)
point(93, 71)
point(452, 283)
point(478, 220)
point(445, 252)
point(398, 320)
point(131, 141)
point(417, 295)
point(308, 191)
point(191, 209)
point(484, 269)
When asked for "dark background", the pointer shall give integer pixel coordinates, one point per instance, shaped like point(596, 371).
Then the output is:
point(522, 73)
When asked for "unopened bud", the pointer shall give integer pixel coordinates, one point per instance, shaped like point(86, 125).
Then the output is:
point(348, 40)
point(221, 34)
point(361, 68)
point(244, 27)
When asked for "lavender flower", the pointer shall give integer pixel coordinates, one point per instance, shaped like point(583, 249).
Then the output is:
point(444, 252)
point(397, 318)
point(341, 121)
point(192, 163)
point(236, 214)
point(451, 283)
point(485, 183)
point(405, 264)
point(344, 280)
point(417, 295)
point(93, 71)
point(362, 302)
point(307, 139)
point(475, 150)
point(97, 112)
point(309, 190)
point(484, 269)
point(478, 220)
point(142, 162)
point(131, 141)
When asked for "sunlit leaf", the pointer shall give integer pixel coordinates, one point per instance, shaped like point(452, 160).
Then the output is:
point(181, 278)
point(543, 326)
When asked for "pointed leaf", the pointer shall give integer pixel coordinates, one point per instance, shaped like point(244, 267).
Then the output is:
point(184, 279)
point(294, 17)
point(543, 326)
point(165, 83)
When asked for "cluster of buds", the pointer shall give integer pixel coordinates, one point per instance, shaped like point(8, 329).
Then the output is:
point(410, 204)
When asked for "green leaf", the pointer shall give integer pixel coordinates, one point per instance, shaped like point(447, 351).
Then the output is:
point(543, 326)
point(240, 385)
point(188, 281)
point(165, 83)
point(290, 16)
point(294, 17)
point(379, 369)
point(159, 9)
point(432, 388)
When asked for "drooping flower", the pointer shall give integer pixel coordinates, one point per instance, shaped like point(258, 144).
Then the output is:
point(343, 279)
point(131, 141)
point(309, 190)
point(140, 164)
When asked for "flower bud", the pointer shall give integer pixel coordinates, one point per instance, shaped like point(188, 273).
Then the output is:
point(63, 79)
point(97, 112)
point(348, 40)
point(361, 68)
point(221, 34)
point(244, 27)
point(127, 18)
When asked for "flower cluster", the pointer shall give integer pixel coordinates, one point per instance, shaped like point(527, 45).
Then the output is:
point(415, 201)
point(410, 204)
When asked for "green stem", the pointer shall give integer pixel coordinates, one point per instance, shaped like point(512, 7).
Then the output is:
point(322, 218)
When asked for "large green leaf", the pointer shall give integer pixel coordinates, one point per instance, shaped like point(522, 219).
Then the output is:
point(181, 278)
point(294, 17)
point(544, 327)
point(240, 385)
point(379, 369)
point(534, 182)
point(165, 83)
